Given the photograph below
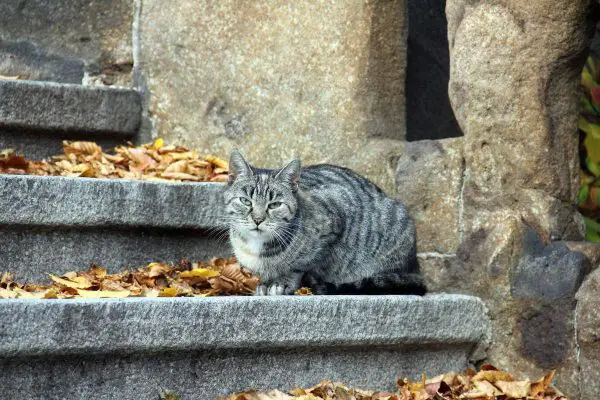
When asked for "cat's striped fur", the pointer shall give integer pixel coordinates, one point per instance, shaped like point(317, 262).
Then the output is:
point(322, 226)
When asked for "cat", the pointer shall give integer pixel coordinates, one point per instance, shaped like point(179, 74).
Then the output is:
point(323, 226)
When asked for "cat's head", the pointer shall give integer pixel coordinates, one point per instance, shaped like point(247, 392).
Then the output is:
point(261, 203)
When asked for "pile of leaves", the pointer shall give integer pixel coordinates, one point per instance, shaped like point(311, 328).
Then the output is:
point(217, 277)
point(589, 127)
point(487, 384)
point(153, 161)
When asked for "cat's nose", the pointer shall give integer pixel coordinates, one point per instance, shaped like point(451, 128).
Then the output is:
point(258, 220)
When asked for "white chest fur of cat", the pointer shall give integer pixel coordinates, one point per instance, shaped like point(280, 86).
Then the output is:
point(248, 251)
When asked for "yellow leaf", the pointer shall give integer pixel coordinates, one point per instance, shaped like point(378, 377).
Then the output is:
point(199, 272)
point(96, 294)
point(158, 143)
point(168, 292)
point(77, 282)
point(51, 294)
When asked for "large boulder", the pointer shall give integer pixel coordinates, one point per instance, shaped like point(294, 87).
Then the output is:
point(514, 76)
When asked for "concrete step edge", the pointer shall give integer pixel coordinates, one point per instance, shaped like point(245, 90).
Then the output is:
point(88, 202)
point(151, 325)
point(49, 106)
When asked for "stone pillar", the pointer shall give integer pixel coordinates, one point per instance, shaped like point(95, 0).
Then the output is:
point(515, 68)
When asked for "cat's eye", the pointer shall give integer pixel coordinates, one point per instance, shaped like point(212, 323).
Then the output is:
point(245, 201)
point(274, 205)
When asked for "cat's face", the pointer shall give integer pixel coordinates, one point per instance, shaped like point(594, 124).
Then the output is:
point(261, 204)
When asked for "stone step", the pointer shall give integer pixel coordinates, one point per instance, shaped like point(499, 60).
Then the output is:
point(60, 224)
point(201, 348)
point(36, 116)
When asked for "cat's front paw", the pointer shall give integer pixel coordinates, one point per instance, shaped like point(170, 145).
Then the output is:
point(275, 289)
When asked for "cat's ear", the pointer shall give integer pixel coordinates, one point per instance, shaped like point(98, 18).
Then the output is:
point(238, 166)
point(290, 174)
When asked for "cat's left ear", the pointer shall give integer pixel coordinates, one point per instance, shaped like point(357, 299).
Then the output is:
point(290, 174)
point(238, 166)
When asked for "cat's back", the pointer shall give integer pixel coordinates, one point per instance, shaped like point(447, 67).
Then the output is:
point(327, 180)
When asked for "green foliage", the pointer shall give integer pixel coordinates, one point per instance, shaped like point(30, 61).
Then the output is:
point(589, 123)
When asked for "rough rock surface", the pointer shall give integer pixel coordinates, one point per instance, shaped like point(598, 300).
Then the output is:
point(78, 41)
point(518, 106)
point(429, 177)
point(317, 80)
point(588, 332)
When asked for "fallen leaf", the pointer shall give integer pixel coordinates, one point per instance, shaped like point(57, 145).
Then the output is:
point(96, 294)
point(514, 389)
point(199, 272)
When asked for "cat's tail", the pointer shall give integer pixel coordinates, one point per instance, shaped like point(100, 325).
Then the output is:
point(390, 282)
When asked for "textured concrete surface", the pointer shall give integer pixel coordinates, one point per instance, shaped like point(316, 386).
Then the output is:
point(35, 117)
point(201, 348)
point(65, 107)
point(59, 224)
point(69, 41)
point(323, 81)
point(31, 253)
point(86, 202)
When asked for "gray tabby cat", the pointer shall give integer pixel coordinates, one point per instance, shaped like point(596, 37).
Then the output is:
point(324, 227)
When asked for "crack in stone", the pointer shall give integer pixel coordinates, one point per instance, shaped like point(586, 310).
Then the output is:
point(577, 348)
point(461, 201)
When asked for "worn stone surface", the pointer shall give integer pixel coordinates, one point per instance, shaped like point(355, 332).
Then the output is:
point(72, 41)
point(588, 332)
point(428, 111)
point(590, 249)
point(31, 253)
point(187, 345)
point(58, 224)
point(277, 79)
point(547, 272)
point(521, 165)
point(429, 176)
point(36, 116)
point(86, 202)
point(519, 126)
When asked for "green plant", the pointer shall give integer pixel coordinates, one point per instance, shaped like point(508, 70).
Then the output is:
point(589, 124)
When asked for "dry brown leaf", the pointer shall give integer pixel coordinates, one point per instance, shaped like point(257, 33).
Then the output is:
point(514, 389)
point(96, 294)
point(492, 376)
point(75, 284)
point(218, 162)
point(539, 387)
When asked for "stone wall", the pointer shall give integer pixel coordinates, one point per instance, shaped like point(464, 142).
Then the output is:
point(497, 208)
point(323, 81)
point(69, 41)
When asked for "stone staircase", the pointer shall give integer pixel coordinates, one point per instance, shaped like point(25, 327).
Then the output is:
point(199, 348)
